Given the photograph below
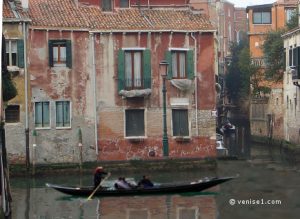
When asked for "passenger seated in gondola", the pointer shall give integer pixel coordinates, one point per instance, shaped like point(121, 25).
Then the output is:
point(145, 182)
point(121, 183)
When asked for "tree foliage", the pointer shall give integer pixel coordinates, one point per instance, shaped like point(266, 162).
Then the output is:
point(293, 22)
point(241, 72)
point(274, 55)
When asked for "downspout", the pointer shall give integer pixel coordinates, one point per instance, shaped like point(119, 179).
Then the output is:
point(196, 81)
point(26, 97)
point(94, 92)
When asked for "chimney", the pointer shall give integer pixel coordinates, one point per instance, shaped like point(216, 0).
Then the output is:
point(24, 4)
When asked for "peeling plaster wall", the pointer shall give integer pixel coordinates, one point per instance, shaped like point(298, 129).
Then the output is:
point(15, 132)
point(112, 142)
point(61, 83)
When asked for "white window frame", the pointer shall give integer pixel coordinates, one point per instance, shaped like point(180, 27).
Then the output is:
point(46, 127)
point(8, 50)
point(181, 107)
point(64, 127)
point(145, 124)
point(195, 208)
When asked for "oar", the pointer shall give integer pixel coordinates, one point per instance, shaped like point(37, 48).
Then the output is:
point(96, 189)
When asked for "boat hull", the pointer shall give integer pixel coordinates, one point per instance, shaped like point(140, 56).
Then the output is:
point(162, 189)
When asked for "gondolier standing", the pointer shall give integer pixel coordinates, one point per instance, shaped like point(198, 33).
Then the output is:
point(99, 175)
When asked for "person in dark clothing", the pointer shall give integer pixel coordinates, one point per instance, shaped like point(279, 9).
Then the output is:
point(145, 182)
point(99, 175)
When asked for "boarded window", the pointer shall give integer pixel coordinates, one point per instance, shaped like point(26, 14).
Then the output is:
point(135, 122)
point(12, 114)
point(41, 114)
point(106, 5)
point(63, 114)
point(180, 122)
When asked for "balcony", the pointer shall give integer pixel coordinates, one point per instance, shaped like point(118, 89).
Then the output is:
point(295, 71)
point(134, 87)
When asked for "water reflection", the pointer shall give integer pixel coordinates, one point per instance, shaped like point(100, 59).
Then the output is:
point(44, 203)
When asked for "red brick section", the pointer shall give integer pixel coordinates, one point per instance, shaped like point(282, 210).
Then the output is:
point(124, 149)
point(64, 13)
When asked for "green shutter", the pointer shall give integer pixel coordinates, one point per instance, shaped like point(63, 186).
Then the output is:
point(147, 68)
point(121, 69)
point(69, 53)
point(20, 47)
point(190, 64)
point(168, 57)
point(50, 52)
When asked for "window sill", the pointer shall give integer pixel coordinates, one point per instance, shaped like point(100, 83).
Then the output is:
point(136, 138)
point(12, 68)
point(182, 138)
point(60, 128)
point(42, 128)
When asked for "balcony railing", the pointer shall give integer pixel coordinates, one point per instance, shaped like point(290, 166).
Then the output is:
point(259, 62)
point(134, 84)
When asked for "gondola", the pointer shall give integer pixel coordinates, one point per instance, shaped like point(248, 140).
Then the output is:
point(156, 190)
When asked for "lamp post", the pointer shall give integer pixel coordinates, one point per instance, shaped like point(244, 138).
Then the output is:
point(163, 70)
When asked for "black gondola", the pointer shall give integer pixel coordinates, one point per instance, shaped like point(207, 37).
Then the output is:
point(159, 189)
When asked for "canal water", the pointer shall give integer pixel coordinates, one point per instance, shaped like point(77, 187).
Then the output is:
point(268, 186)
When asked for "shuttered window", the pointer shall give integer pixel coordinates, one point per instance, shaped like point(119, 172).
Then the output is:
point(12, 114)
point(60, 53)
point(134, 69)
point(181, 64)
point(42, 114)
point(63, 114)
point(15, 53)
point(180, 122)
point(135, 122)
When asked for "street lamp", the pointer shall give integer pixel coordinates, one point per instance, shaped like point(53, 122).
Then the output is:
point(163, 70)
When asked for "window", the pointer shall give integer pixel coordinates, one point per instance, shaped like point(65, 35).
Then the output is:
point(41, 114)
point(15, 53)
point(262, 16)
point(290, 56)
point(180, 122)
point(135, 122)
point(289, 13)
point(179, 64)
point(106, 5)
point(124, 3)
point(191, 213)
point(133, 69)
point(63, 114)
point(60, 53)
point(12, 114)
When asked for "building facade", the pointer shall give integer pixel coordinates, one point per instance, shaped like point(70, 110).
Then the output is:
point(291, 84)
point(95, 87)
point(267, 116)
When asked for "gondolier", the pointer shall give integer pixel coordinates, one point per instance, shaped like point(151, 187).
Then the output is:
point(99, 175)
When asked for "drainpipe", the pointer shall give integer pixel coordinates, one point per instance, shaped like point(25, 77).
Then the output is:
point(196, 80)
point(94, 92)
point(26, 97)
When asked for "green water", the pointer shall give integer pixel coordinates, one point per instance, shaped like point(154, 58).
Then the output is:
point(262, 178)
